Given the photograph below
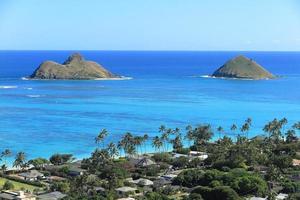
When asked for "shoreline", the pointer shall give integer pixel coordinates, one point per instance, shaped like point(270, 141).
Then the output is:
point(96, 79)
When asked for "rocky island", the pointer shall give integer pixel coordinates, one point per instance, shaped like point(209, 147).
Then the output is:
point(243, 68)
point(74, 68)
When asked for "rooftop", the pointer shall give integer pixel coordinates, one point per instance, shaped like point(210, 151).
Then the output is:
point(31, 174)
point(52, 196)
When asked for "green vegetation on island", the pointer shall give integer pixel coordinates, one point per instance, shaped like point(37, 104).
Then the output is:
point(74, 68)
point(244, 68)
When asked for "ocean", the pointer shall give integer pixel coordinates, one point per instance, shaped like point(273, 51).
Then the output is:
point(46, 117)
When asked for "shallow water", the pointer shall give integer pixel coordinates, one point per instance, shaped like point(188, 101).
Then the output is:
point(45, 117)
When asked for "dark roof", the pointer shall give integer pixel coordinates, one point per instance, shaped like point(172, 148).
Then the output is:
point(31, 174)
point(52, 196)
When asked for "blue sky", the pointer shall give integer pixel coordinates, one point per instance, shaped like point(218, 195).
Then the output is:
point(150, 25)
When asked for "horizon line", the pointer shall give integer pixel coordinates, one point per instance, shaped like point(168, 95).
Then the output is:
point(152, 50)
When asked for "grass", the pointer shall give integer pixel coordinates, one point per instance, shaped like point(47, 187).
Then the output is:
point(18, 185)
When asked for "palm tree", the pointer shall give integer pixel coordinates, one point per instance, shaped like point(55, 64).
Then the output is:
point(177, 143)
point(249, 121)
point(3, 168)
point(291, 136)
point(101, 136)
point(137, 141)
point(220, 130)
point(162, 128)
point(202, 134)
point(20, 160)
point(283, 122)
point(165, 139)
point(5, 154)
point(189, 134)
point(128, 144)
point(121, 146)
point(245, 128)
point(112, 150)
point(157, 143)
point(233, 128)
point(145, 138)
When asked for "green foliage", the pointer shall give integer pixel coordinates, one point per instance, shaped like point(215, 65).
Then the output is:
point(154, 196)
point(162, 157)
point(38, 162)
point(194, 196)
point(8, 186)
point(220, 193)
point(62, 186)
point(295, 196)
point(240, 180)
point(180, 162)
point(59, 159)
point(290, 187)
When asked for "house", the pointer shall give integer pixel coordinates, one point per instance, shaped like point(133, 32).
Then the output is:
point(198, 154)
point(125, 191)
point(280, 196)
point(51, 196)
point(296, 162)
point(142, 162)
point(74, 168)
point(32, 175)
point(18, 195)
point(140, 182)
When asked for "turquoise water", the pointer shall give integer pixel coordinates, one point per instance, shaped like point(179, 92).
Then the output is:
point(46, 117)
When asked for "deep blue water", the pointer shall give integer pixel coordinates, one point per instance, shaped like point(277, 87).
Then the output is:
point(46, 117)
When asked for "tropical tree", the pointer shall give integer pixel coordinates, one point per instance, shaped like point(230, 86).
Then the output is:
point(162, 128)
point(112, 150)
point(128, 144)
point(220, 131)
point(38, 162)
point(157, 143)
point(20, 160)
point(296, 126)
point(5, 154)
point(189, 134)
point(145, 138)
point(137, 142)
point(273, 129)
point(233, 129)
point(177, 143)
point(283, 122)
point(291, 136)
point(202, 134)
point(165, 139)
point(245, 128)
point(101, 136)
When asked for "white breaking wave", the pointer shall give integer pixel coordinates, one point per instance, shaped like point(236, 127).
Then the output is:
point(8, 87)
point(34, 95)
point(114, 79)
point(25, 79)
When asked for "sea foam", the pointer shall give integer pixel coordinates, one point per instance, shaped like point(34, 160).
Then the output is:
point(8, 87)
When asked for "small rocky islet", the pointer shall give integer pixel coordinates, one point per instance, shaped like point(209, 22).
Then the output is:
point(242, 67)
point(74, 68)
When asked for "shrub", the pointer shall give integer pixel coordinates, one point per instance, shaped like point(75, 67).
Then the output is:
point(180, 162)
point(162, 157)
point(8, 185)
point(220, 193)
